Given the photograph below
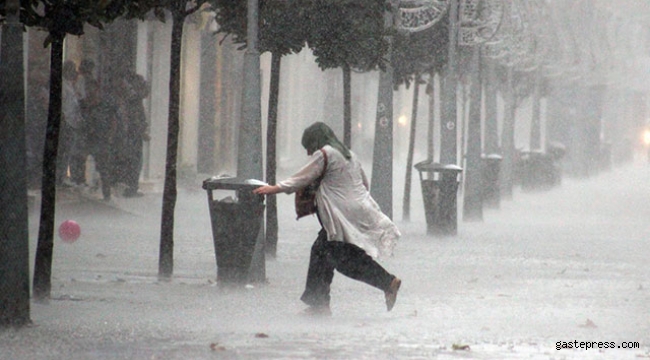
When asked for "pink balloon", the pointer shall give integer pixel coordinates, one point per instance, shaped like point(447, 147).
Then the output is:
point(69, 231)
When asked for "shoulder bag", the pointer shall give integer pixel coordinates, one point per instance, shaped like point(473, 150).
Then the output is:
point(305, 200)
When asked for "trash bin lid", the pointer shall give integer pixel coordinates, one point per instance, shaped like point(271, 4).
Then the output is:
point(431, 166)
point(492, 156)
point(556, 145)
point(529, 152)
point(231, 183)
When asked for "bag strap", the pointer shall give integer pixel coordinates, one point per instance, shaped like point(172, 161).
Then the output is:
point(322, 175)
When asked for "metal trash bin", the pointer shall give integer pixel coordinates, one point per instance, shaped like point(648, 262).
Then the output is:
point(557, 151)
point(490, 187)
point(236, 225)
point(539, 171)
point(439, 192)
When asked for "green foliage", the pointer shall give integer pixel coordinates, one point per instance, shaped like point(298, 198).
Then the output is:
point(282, 28)
point(347, 32)
point(231, 19)
point(420, 52)
point(281, 24)
point(339, 32)
point(523, 82)
point(178, 8)
point(68, 17)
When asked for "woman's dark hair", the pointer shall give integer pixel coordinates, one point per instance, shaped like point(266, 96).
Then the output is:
point(318, 135)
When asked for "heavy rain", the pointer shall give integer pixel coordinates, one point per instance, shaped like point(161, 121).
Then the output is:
point(507, 140)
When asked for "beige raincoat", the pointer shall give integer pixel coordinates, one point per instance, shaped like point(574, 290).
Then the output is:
point(347, 211)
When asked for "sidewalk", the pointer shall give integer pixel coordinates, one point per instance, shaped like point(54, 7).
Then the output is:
point(559, 266)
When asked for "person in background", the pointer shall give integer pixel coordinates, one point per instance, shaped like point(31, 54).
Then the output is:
point(86, 81)
point(354, 230)
point(132, 131)
point(101, 118)
point(86, 78)
point(71, 142)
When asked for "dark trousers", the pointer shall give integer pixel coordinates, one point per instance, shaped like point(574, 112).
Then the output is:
point(64, 152)
point(129, 166)
point(71, 154)
point(78, 169)
point(103, 155)
point(348, 259)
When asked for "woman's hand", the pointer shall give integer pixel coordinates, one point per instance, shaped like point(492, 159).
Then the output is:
point(267, 190)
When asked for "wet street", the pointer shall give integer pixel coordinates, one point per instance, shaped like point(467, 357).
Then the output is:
point(565, 266)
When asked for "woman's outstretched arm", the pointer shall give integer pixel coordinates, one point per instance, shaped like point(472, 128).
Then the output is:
point(267, 190)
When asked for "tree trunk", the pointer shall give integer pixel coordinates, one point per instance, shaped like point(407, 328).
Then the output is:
point(536, 126)
point(406, 205)
point(166, 255)
point(347, 111)
point(14, 233)
point(493, 159)
point(271, 156)
point(44, 247)
point(472, 197)
point(432, 115)
point(449, 123)
point(381, 183)
point(508, 140)
point(491, 126)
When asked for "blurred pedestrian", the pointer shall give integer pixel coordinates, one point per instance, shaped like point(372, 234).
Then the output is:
point(132, 131)
point(85, 82)
point(101, 118)
point(354, 230)
point(71, 142)
point(86, 77)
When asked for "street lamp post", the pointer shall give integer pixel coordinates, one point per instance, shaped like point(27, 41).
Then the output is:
point(381, 182)
point(478, 22)
point(448, 129)
point(249, 152)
